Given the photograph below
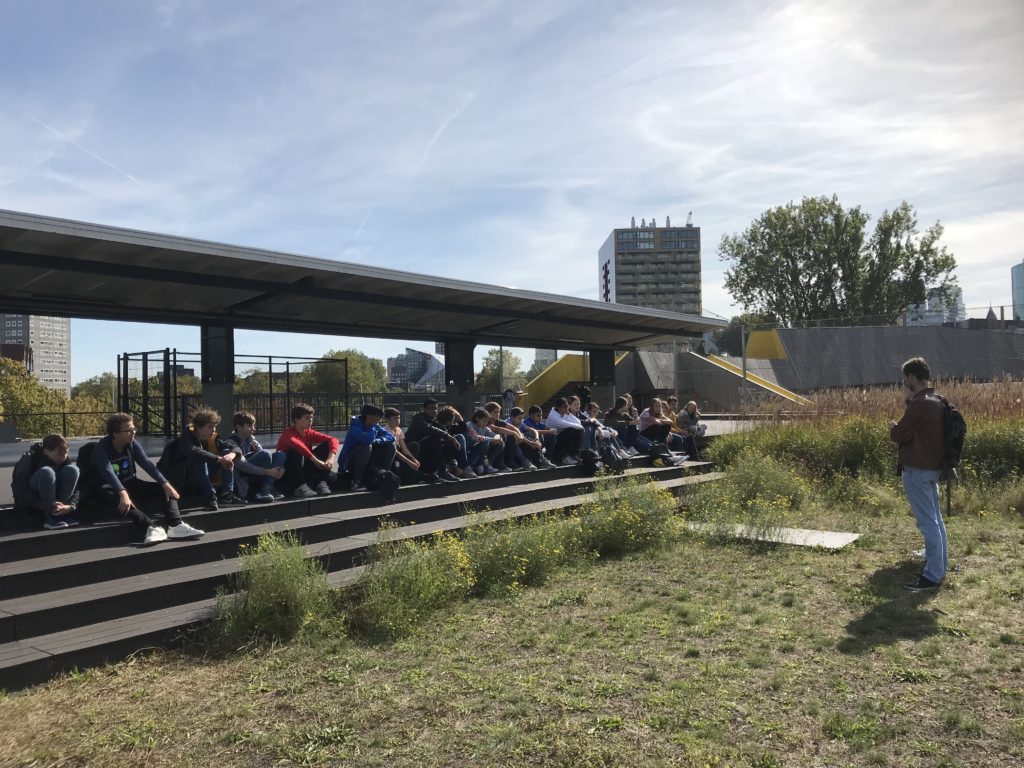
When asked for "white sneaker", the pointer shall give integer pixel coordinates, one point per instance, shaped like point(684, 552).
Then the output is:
point(304, 492)
point(154, 535)
point(323, 488)
point(530, 467)
point(184, 531)
point(569, 460)
point(918, 553)
point(466, 472)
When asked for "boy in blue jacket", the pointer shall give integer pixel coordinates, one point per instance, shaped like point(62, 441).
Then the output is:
point(368, 447)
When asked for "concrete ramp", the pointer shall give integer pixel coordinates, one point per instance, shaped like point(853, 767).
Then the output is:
point(722, 384)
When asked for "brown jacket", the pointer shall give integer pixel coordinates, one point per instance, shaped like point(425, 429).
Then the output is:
point(920, 432)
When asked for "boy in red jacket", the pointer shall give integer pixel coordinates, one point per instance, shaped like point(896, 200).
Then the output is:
point(309, 455)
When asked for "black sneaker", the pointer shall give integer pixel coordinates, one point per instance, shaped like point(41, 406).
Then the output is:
point(432, 477)
point(448, 477)
point(922, 585)
point(211, 504)
point(231, 499)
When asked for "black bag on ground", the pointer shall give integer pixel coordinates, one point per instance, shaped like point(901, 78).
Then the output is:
point(612, 463)
point(385, 482)
point(590, 462)
point(661, 456)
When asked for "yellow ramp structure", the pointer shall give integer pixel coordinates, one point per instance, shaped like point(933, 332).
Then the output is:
point(782, 392)
point(565, 369)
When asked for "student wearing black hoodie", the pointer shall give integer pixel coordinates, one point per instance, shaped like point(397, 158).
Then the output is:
point(46, 481)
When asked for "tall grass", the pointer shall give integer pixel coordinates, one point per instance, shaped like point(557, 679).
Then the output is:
point(407, 579)
point(278, 592)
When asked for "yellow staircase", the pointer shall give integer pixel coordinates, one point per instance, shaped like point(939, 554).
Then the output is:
point(793, 397)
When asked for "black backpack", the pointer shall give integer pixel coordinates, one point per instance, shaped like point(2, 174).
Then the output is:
point(611, 461)
point(590, 462)
point(385, 482)
point(167, 456)
point(86, 470)
point(661, 456)
point(953, 434)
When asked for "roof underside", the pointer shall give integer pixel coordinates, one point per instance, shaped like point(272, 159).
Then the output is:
point(60, 267)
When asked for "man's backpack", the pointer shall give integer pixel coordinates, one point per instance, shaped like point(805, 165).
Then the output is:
point(953, 434)
point(612, 462)
point(590, 462)
point(86, 471)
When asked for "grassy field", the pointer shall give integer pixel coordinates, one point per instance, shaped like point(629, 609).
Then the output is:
point(707, 653)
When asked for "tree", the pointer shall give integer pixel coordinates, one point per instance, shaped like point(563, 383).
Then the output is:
point(365, 373)
point(538, 367)
point(730, 338)
point(22, 393)
point(102, 387)
point(500, 364)
point(814, 261)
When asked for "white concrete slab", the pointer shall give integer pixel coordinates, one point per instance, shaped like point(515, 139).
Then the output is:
point(799, 537)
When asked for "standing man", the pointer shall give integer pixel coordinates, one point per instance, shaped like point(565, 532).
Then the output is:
point(919, 435)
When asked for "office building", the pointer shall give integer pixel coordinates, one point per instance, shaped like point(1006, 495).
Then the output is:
point(652, 266)
point(1017, 286)
point(936, 311)
point(416, 370)
point(49, 339)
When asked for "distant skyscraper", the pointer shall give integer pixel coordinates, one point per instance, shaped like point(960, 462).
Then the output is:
point(652, 266)
point(1017, 286)
point(49, 338)
point(935, 311)
point(419, 370)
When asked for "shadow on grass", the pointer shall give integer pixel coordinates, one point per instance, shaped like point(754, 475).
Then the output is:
point(900, 617)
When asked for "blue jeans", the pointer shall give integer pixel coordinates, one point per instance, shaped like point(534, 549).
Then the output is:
point(48, 486)
point(253, 466)
point(922, 488)
point(461, 455)
point(485, 449)
point(197, 477)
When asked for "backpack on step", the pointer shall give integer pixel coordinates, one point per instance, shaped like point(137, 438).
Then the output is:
point(386, 483)
point(590, 462)
point(610, 459)
point(661, 456)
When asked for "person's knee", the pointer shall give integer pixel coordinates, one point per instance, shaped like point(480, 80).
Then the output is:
point(45, 475)
point(69, 471)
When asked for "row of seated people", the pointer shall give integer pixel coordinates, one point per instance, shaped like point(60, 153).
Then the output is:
point(438, 446)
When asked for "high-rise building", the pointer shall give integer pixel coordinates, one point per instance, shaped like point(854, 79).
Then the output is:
point(49, 338)
point(652, 266)
point(936, 311)
point(1017, 286)
point(419, 370)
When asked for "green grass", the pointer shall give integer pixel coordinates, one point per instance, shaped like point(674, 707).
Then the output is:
point(609, 638)
point(698, 654)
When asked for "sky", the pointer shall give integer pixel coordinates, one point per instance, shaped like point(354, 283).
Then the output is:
point(503, 141)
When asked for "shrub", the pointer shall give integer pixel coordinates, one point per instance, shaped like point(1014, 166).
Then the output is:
point(278, 591)
point(509, 554)
point(406, 580)
point(627, 515)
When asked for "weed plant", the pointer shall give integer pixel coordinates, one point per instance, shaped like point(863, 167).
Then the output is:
point(507, 555)
point(406, 580)
point(627, 515)
point(277, 592)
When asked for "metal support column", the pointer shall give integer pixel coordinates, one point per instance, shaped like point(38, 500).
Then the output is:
point(458, 372)
point(217, 351)
point(601, 379)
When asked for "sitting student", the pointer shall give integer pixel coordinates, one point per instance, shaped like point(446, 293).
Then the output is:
point(309, 455)
point(406, 465)
point(206, 459)
point(687, 423)
point(575, 409)
point(670, 406)
point(656, 427)
point(620, 419)
point(46, 481)
point(604, 433)
point(484, 444)
point(570, 433)
point(530, 450)
point(255, 461)
point(535, 421)
point(432, 438)
point(452, 422)
point(512, 457)
point(367, 448)
point(110, 482)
